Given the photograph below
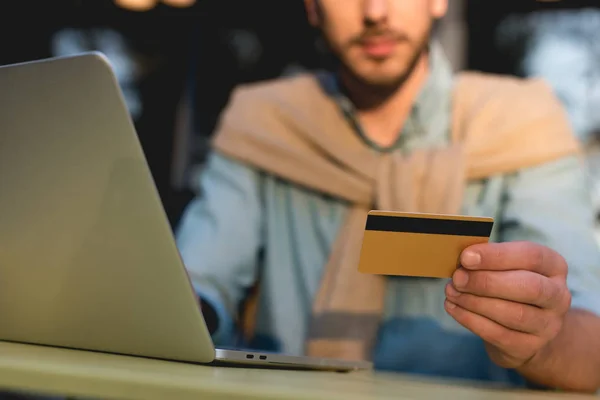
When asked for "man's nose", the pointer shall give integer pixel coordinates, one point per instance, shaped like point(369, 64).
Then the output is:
point(375, 11)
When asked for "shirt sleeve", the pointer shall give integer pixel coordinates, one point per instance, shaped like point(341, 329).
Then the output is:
point(551, 205)
point(219, 238)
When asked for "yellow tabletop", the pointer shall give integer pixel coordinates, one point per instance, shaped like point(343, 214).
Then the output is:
point(54, 371)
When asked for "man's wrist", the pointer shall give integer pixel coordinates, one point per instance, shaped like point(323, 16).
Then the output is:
point(568, 362)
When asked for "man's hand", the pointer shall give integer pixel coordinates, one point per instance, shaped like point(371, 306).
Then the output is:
point(512, 295)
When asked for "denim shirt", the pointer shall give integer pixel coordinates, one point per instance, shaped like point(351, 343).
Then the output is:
point(247, 223)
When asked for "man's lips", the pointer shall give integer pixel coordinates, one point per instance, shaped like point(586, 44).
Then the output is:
point(378, 47)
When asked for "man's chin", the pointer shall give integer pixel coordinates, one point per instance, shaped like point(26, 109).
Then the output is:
point(382, 81)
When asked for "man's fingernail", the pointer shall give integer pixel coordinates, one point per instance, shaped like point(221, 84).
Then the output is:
point(450, 305)
point(460, 278)
point(451, 292)
point(470, 259)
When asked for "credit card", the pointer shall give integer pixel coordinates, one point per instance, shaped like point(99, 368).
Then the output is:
point(420, 245)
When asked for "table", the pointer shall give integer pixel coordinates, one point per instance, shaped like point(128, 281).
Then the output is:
point(53, 371)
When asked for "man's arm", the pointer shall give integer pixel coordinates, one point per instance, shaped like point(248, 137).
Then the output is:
point(550, 205)
point(219, 239)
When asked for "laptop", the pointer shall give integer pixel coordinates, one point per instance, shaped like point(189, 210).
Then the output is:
point(87, 256)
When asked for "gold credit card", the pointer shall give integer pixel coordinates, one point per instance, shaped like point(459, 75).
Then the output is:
point(424, 245)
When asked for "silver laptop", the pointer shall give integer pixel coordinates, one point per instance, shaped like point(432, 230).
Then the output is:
point(87, 257)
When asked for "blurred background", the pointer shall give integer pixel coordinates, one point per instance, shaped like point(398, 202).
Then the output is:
point(178, 60)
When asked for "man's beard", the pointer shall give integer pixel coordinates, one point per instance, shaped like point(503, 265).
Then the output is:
point(382, 86)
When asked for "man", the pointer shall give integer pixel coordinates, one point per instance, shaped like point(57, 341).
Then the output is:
point(298, 162)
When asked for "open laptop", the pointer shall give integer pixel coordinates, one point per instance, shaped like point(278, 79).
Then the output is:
point(87, 256)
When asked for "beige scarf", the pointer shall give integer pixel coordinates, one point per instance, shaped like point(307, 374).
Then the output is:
point(294, 130)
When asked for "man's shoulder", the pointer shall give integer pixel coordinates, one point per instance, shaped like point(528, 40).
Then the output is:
point(486, 78)
point(265, 105)
point(510, 91)
point(289, 87)
point(518, 120)
point(499, 104)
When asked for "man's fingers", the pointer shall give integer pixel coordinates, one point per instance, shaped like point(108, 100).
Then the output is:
point(515, 316)
point(513, 256)
point(517, 286)
point(518, 345)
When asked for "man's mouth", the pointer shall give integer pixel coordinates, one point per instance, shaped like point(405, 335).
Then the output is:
point(379, 47)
